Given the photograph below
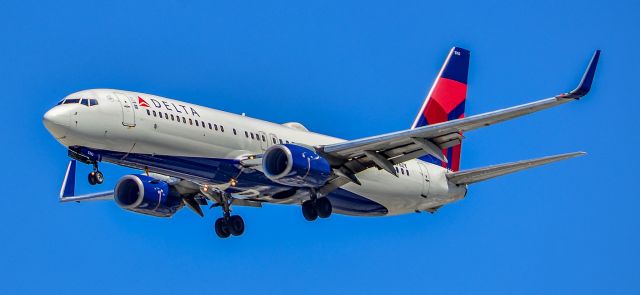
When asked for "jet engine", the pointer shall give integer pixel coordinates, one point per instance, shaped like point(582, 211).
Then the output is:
point(295, 165)
point(146, 195)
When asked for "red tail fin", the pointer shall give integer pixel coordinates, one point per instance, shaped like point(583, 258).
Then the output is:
point(446, 101)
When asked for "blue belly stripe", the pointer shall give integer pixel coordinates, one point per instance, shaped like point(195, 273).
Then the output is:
point(222, 170)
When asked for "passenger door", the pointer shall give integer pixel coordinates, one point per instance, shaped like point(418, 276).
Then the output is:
point(424, 170)
point(128, 114)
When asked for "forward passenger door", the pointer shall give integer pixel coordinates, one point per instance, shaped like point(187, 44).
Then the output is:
point(128, 114)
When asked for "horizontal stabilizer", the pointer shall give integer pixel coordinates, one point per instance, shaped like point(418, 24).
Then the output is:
point(484, 173)
point(68, 188)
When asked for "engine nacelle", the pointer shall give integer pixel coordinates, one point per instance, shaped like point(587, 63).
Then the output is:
point(147, 195)
point(295, 165)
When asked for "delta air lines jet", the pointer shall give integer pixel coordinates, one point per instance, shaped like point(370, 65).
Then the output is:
point(193, 156)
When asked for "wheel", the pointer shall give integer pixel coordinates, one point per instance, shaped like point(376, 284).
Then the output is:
point(99, 177)
point(324, 208)
point(92, 178)
point(236, 225)
point(309, 211)
point(222, 228)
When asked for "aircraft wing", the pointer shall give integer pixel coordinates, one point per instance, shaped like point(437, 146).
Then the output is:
point(187, 188)
point(67, 190)
point(392, 148)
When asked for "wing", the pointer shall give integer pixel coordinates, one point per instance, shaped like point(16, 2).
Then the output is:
point(388, 149)
point(188, 190)
point(67, 190)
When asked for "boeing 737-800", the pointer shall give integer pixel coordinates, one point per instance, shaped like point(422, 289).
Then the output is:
point(192, 155)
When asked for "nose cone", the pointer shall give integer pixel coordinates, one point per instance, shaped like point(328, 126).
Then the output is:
point(56, 120)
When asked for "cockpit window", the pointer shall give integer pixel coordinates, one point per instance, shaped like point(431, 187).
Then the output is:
point(84, 101)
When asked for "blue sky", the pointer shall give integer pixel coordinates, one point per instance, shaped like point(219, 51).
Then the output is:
point(349, 69)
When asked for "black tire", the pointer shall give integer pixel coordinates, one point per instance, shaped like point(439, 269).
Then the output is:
point(99, 177)
point(324, 208)
point(309, 211)
point(236, 225)
point(222, 229)
point(91, 178)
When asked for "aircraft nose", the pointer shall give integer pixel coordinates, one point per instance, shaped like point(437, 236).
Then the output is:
point(56, 120)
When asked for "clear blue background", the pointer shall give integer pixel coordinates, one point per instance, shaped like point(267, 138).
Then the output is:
point(351, 70)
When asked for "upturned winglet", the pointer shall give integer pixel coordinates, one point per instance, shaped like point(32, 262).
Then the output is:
point(585, 84)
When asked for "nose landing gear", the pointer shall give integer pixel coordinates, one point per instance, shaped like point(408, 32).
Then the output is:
point(95, 177)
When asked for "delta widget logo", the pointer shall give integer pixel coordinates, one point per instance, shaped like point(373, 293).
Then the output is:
point(142, 102)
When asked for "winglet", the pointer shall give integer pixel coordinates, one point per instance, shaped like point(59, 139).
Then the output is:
point(67, 191)
point(69, 182)
point(585, 84)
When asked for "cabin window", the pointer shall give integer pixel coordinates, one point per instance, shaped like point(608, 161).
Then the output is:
point(246, 134)
point(154, 113)
point(281, 142)
point(184, 120)
point(274, 140)
point(234, 132)
point(215, 126)
point(397, 171)
point(172, 118)
point(196, 122)
point(407, 172)
point(178, 118)
point(252, 135)
point(263, 138)
point(210, 127)
point(166, 116)
point(402, 170)
point(221, 128)
point(149, 112)
point(190, 121)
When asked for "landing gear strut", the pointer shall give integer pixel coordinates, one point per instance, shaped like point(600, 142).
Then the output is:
point(228, 224)
point(95, 177)
point(316, 207)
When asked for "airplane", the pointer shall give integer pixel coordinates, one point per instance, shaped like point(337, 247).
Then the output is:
point(192, 156)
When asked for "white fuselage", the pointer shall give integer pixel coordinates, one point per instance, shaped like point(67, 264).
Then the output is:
point(122, 122)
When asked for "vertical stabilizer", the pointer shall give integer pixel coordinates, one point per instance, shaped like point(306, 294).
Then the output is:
point(446, 101)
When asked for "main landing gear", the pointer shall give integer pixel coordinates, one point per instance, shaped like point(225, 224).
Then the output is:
point(95, 177)
point(228, 224)
point(316, 207)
